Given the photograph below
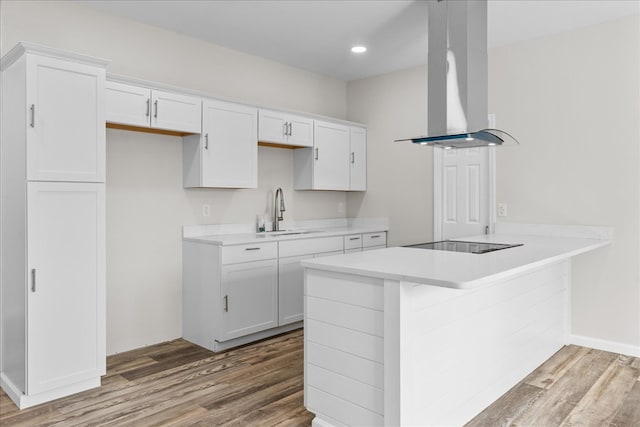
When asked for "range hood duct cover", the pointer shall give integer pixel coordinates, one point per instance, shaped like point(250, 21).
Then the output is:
point(458, 77)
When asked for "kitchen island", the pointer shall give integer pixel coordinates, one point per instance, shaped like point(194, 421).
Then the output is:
point(406, 336)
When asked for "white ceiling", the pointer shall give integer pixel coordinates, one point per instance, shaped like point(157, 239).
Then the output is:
point(317, 35)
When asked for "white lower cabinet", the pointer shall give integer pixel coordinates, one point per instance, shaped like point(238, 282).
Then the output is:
point(291, 289)
point(249, 298)
point(372, 241)
point(229, 293)
point(66, 263)
point(291, 273)
point(53, 301)
point(365, 242)
point(236, 294)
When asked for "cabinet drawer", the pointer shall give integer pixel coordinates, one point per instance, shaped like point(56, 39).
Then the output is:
point(310, 246)
point(353, 241)
point(250, 252)
point(374, 239)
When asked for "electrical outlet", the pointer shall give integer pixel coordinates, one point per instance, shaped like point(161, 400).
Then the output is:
point(340, 207)
point(206, 210)
point(502, 209)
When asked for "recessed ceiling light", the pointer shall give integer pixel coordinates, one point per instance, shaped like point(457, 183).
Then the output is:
point(358, 49)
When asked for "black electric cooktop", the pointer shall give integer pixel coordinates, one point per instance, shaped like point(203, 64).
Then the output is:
point(460, 246)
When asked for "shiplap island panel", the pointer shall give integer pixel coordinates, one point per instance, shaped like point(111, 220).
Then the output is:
point(436, 336)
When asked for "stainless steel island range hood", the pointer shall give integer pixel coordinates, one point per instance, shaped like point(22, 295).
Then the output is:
point(457, 77)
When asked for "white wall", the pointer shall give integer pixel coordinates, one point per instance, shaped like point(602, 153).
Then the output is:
point(573, 102)
point(146, 204)
point(399, 175)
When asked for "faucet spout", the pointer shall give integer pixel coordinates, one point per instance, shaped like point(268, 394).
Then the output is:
point(277, 213)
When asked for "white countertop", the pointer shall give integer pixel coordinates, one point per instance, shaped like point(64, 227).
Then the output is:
point(459, 270)
point(248, 238)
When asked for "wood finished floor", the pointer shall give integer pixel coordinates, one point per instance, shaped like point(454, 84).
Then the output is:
point(179, 384)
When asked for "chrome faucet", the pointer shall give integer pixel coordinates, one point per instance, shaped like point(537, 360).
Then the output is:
point(277, 217)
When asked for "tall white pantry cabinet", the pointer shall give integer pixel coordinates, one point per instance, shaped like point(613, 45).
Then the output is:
point(52, 190)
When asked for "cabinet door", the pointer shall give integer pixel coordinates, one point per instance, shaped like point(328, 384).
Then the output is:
point(229, 145)
point(331, 156)
point(66, 289)
point(300, 131)
point(249, 297)
point(65, 121)
point(172, 111)
point(128, 104)
point(272, 126)
point(290, 289)
point(358, 159)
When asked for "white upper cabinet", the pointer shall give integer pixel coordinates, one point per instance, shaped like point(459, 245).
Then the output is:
point(172, 111)
point(331, 156)
point(65, 126)
point(358, 159)
point(226, 154)
point(326, 165)
point(286, 129)
point(128, 104)
point(143, 107)
point(337, 161)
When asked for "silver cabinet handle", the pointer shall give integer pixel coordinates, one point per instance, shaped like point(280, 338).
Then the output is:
point(33, 115)
point(156, 112)
point(286, 127)
point(252, 249)
point(33, 280)
point(354, 238)
point(353, 157)
point(375, 237)
point(290, 128)
point(148, 107)
point(316, 153)
point(226, 303)
point(206, 141)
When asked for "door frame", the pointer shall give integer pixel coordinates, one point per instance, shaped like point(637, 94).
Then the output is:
point(438, 160)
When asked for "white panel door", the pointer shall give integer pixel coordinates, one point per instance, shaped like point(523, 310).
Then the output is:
point(229, 145)
point(272, 126)
point(300, 131)
point(66, 289)
point(358, 159)
point(331, 156)
point(172, 111)
point(65, 121)
point(290, 289)
point(250, 298)
point(128, 104)
point(465, 192)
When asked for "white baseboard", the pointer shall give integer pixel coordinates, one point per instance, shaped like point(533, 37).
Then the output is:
point(612, 346)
